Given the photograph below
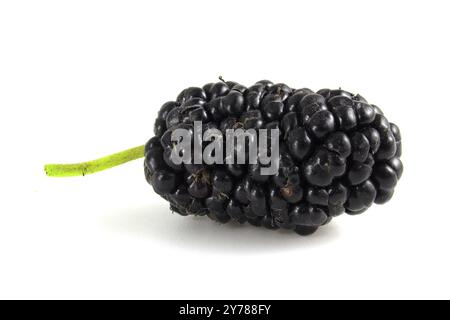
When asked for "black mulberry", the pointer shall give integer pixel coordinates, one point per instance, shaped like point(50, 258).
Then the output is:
point(338, 154)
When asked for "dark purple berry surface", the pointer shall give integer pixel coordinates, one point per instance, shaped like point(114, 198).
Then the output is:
point(338, 153)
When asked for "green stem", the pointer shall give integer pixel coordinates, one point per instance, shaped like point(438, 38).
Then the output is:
point(84, 168)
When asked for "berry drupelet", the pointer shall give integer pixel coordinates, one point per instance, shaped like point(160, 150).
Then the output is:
point(338, 153)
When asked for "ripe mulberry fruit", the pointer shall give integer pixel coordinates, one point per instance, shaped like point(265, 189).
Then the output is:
point(336, 153)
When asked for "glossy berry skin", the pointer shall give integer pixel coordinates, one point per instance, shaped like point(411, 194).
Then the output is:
point(308, 215)
point(321, 124)
point(361, 197)
point(273, 109)
point(233, 103)
point(339, 143)
point(164, 182)
point(252, 119)
point(289, 123)
point(338, 154)
point(299, 143)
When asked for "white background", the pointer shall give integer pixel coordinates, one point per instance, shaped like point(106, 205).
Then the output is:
point(82, 79)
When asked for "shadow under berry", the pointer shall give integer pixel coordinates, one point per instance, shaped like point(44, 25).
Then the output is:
point(197, 233)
